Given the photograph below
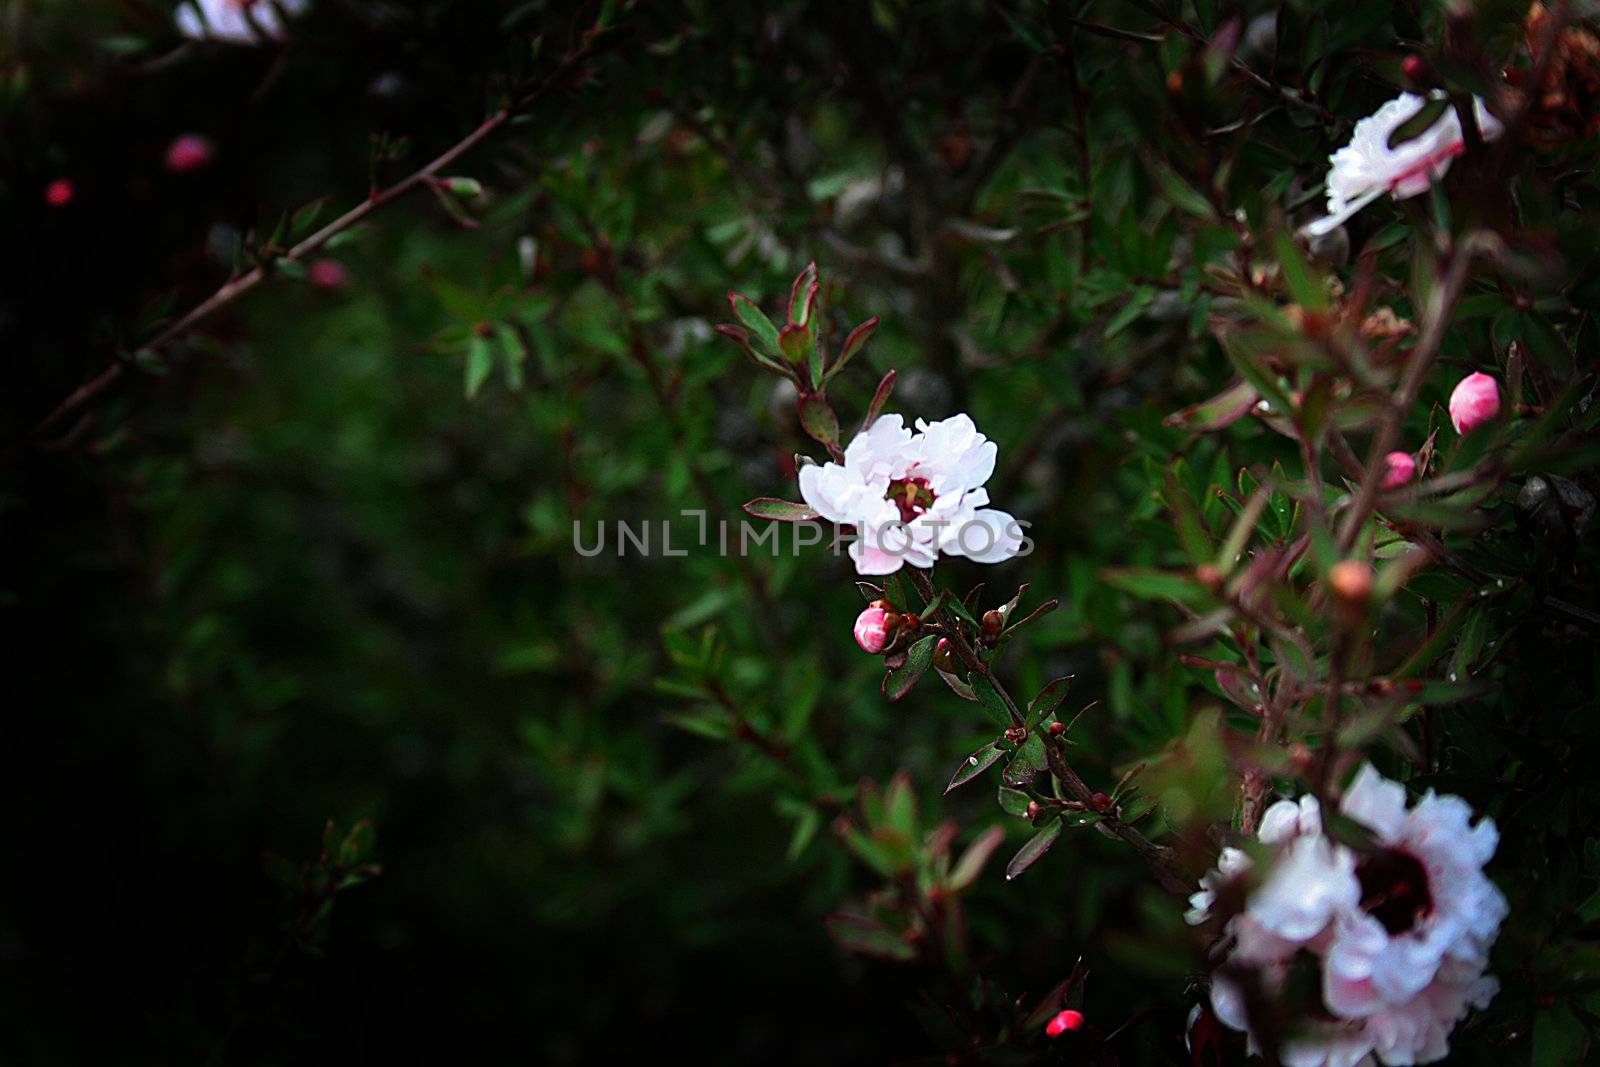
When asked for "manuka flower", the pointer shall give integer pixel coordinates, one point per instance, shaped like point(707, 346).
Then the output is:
point(912, 496)
point(1411, 957)
point(1368, 167)
point(1400, 932)
point(238, 21)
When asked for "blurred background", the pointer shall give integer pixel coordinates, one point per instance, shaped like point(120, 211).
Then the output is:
point(313, 562)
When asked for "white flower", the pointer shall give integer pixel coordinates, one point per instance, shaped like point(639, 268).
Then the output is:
point(1426, 906)
point(239, 21)
point(913, 496)
point(1367, 167)
point(1401, 931)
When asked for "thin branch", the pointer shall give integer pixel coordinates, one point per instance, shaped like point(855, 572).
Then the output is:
point(1160, 858)
point(1421, 358)
point(235, 288)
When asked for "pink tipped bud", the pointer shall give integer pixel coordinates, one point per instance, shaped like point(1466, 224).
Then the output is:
point(874, 627)
point(328, 274)
point(1415, 68)
point(1064, 1021)
point(189, 152)
point(1475, 400)
point(1399, 469)
point(59, 193)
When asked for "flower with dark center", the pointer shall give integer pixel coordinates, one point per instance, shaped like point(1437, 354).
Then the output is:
point(1394, 889)
point(1400, 933)
point(913, 497)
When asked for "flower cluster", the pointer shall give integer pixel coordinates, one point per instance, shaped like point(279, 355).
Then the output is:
point(912, 496)
point(1400, 932)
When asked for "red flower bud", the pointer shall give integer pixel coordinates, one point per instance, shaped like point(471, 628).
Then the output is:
point(1058, 728)
point(874, 627)
point(328, 274)
point(189, 152)
point(993, 622)
point(1399, 469)
point(1064, 1021)
point(1474, 401)
point(59, 193)
point(1100, 802)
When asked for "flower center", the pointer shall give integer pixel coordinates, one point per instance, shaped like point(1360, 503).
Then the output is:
point(1394, 889)
point(912, 496)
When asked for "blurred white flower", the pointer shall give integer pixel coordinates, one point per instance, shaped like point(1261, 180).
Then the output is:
point(1367, 167)
point(239, 21)
point(1420, 939)
point(1401, 931)
point(913, 496)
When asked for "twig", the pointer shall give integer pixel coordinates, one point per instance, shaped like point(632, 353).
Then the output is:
point(1160, 858)
point(1421, 359)
point(235, 288)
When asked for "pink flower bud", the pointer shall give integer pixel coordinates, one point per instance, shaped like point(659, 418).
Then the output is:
point(1064, 1021)
point(328, 274)
point(59, 193)
point(189, 152)
point(873, 627)
point(1475, 400)
point(1399, 469)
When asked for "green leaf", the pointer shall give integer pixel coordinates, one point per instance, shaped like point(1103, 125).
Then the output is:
point(1305, 287)
point(775, 510)
point(800, 295)
point(894, 591)
point(757, 322)
point(1558, 1037)
point(974, 765)
point(466, 188)
point(867, 937)
point(796, 344)
point(1256, 373)
point(741, 337)
point(1181, 193)
point(974, 859)
point(1222, 410)
point(1049, 698)
point(897, 684)
point(357, 845)
point(1014, 801)
point(852, 344)
point(805, 829)
point(1156, 585)
point(1034, 850)
point(480, 362)
point(819, 420)
point(991, 700)
point(879, 398)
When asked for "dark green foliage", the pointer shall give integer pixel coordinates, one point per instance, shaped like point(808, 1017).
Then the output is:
point(315, 564)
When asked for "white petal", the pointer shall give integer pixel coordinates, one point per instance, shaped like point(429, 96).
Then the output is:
point(1376, 802)
point(987, 536)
